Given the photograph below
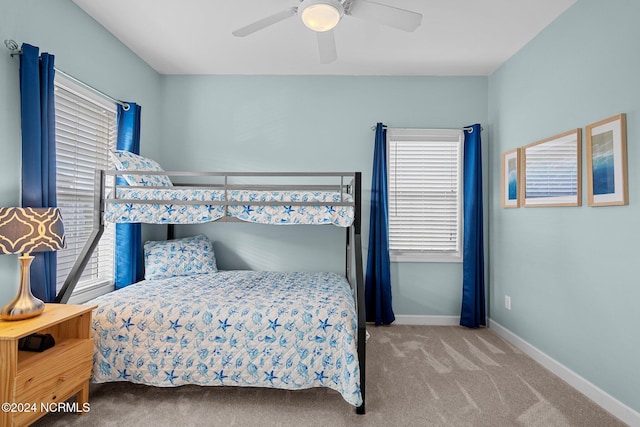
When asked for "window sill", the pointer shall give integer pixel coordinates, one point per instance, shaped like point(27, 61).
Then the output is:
point(91, 291)
point(426, 258)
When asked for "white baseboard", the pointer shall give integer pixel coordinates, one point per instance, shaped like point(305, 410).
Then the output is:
point(408, 319)
point(599, 396)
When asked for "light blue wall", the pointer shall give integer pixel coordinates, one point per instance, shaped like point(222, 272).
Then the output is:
point(572, 273)
point(311, 123)
point(83, 49)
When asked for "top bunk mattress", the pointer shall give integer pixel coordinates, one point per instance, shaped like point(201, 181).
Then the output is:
point(181, 206)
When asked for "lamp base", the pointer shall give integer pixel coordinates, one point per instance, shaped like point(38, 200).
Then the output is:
point(24, 305)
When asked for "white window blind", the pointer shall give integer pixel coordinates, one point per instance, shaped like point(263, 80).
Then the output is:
point(85, 132)
point(424, 194)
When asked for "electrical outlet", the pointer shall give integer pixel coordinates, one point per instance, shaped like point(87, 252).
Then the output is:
point(507, 302)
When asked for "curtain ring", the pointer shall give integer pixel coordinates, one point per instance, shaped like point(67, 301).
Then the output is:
point(125, 107)
point(12, 45)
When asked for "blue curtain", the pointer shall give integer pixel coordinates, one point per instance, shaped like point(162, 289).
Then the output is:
point(37, 110)
point(129, 268)
point(473, 304)
point(378, 278)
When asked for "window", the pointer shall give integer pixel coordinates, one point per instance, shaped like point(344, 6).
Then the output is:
point(425, 194)
point(85, 132)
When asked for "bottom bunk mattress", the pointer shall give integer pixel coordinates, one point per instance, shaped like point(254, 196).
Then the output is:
point(231, 328)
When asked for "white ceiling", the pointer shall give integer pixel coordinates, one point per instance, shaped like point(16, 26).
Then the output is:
point(457, 37)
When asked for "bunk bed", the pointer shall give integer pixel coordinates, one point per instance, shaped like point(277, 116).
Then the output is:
point(245, 328)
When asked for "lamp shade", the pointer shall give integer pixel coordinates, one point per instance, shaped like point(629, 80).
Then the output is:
point(320, 15)
point(26, 230)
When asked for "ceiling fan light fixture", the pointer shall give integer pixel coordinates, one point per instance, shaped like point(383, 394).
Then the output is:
point(321, 15)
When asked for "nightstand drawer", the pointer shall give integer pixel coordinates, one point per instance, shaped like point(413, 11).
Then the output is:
point(54, 375)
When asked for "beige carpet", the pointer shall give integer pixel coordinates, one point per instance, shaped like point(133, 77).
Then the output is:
point(416, 376)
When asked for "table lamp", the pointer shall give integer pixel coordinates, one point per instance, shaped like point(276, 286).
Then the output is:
point(23, 231)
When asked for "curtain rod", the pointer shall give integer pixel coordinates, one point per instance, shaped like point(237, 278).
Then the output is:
point(469, 129)
point(16, 51)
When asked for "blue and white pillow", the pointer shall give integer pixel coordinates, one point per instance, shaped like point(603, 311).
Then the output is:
point(127, 161)
point(179, 257)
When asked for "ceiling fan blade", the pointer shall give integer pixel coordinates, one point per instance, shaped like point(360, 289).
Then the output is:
point(401, 19)
point(327, 47)
point(265, 22)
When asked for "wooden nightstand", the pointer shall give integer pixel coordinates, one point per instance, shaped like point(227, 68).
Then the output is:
point(30, 382)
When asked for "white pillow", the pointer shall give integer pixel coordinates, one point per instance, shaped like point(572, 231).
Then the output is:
point(127, 161)
point(179, 257)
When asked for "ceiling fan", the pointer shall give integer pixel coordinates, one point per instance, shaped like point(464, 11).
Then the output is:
point(322, 16)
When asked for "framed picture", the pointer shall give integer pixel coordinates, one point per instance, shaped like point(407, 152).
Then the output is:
point(511, 178)
point(551, 171)
point(607, 162)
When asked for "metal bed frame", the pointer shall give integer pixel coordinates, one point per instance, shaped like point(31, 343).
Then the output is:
point(107, 183)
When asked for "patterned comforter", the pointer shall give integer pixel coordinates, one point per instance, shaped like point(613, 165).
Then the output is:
point(324, 212)
point(243, 328)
